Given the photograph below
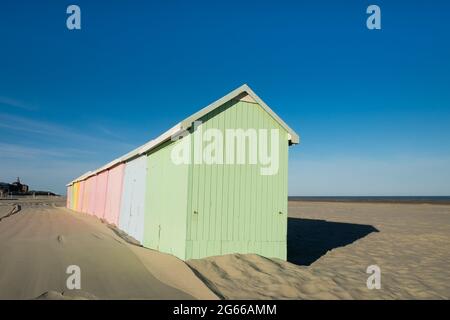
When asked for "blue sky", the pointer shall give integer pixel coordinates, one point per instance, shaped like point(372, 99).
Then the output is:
point(372, 107)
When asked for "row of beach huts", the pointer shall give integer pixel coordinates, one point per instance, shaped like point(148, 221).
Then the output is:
point(192, 209)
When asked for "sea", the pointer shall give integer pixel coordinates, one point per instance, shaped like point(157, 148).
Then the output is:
point(376, 199)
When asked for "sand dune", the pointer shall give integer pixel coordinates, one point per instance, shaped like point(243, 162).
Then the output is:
point(330, 246)
point(39, 243)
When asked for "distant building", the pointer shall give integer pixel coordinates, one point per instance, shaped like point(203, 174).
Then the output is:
point(4, 188)
point(19, 187)
point(13, 188)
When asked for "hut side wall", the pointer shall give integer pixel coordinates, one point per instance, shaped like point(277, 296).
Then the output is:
point(86, 195)
point(92, 198)
point(166, 202)
point(80, 196)
point(69, 197)
point(131, 218)
point(233, 208)
point(114, 194)
point(100, 194)
point(75, 195)
point(72, 202)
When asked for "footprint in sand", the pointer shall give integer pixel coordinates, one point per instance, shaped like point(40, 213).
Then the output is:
point(61, 239)
point(98, 236)
point(76, 295)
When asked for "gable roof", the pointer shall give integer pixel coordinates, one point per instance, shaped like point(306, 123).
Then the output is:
point(243, 93)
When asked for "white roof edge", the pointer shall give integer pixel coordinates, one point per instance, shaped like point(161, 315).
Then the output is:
point(186, 124)
point(80, 178)
point(294, 137)
point(161, 139)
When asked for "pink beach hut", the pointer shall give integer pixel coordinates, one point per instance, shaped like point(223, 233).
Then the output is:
point(114, 194)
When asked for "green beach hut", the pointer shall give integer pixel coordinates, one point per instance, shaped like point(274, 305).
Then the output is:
point(217, 181)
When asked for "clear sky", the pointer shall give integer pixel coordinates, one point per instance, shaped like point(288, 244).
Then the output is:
point(372, 107)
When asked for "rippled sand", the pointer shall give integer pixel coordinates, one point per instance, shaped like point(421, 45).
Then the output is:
point(330, 246)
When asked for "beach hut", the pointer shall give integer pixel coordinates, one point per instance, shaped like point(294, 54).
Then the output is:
point(85, 196)
point(215, 183)
point(100, 194)
point(133, 198)
point(114, 194)
point(80, 196)
point(75, 195)
point(69, 196)
point(92, 198)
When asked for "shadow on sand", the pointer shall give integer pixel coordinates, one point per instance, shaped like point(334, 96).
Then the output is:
point(310, 239)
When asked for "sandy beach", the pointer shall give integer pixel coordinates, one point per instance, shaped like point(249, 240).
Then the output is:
point(330, 245)
point(38, 244)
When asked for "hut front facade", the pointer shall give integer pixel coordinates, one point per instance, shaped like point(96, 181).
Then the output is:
point(216, 183)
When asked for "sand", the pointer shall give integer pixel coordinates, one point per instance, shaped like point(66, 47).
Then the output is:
point(38, 243)
point(5, 209)
point(330, 245)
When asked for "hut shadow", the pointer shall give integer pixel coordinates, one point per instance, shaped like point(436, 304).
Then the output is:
point(310, 239)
